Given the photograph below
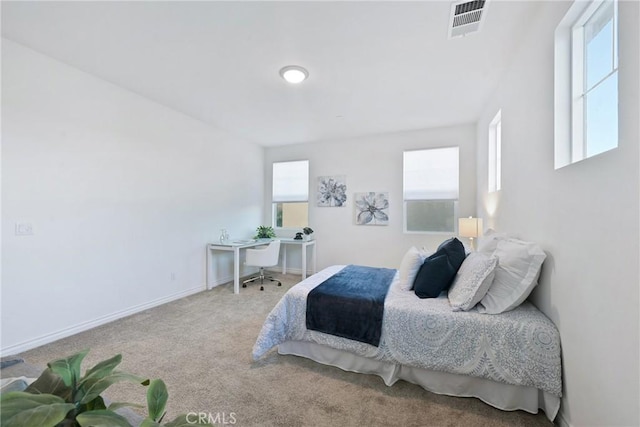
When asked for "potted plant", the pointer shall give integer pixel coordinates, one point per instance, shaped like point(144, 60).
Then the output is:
point(61, 397)
point(308, 231)
point(264, 232)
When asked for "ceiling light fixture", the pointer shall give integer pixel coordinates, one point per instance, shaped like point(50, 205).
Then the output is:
point(294, 74)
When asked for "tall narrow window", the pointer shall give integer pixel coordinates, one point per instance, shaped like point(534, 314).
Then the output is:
point(430, 189)
point(495, 153)
point(586, 116)
point(290, 197)
point(595, 86)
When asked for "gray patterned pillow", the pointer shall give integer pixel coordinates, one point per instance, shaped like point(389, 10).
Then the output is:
point(472, 281)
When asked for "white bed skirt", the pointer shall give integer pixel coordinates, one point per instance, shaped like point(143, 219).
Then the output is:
point(502, 396)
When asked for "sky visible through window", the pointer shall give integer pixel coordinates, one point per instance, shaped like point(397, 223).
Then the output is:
point(601, 99)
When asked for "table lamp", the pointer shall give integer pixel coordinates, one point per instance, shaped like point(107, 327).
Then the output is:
point(470, 227)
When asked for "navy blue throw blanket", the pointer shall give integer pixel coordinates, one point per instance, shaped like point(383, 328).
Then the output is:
point(350, 304)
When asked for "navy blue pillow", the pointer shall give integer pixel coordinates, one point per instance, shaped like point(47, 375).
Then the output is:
point(455, 251)
point(439, 270)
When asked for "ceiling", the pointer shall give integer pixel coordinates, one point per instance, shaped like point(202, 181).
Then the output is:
point(375, 67)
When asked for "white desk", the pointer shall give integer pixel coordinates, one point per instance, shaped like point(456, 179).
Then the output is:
point(304, 245)
point(237, 245)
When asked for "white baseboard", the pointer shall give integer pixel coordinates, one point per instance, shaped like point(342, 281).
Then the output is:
point(220, 281)
point(46, 339)
point(561, 421)
point(289, 270)
point(226, 279)
point(276, 269)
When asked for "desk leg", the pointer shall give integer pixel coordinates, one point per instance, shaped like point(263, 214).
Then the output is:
point(208, 266)
point(313, 271)
point(236, 270)
point(304, 261)
point(284, 259)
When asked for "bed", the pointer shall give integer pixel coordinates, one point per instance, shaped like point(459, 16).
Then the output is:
point(510, 361)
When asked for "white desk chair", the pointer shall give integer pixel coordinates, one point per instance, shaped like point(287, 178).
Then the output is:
point(265, 257)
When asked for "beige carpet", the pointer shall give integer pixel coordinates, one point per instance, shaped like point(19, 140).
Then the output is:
point(201, 347)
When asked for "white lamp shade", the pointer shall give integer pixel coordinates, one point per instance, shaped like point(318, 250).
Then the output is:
point(470, 227)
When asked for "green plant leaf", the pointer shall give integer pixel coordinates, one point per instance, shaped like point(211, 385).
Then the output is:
point(264, 232)
point(148, 422)
point(94, 374)
point(117, 405)
point(183, 421)
point(157, 396)
point(103, 368)
point(92, 388)
point(95, 404)
point(50, 383)
point(25, 409)
point(102, 418)
point(69, 368)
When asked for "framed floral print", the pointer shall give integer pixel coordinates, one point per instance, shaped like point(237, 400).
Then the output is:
point(371, 208)
point(332, 191)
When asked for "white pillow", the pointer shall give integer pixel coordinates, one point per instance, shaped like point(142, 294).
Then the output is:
point(411, 263)
point(516, 275)
point(472, 281)
point(489, 242)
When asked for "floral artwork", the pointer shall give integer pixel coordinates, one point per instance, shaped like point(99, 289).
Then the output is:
point(332, 191)
point(372, 208)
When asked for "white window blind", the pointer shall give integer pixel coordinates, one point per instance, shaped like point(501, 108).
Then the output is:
point(291, 181)
point(431, 174)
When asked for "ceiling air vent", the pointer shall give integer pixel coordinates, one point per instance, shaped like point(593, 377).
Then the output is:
point(466, 17)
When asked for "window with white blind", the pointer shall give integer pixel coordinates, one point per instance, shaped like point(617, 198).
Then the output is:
point(290, 194)
point(430, 189)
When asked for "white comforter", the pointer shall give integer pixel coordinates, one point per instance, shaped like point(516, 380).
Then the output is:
point(520, 347)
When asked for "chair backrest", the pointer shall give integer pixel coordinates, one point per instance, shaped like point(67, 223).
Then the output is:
point(266, 257)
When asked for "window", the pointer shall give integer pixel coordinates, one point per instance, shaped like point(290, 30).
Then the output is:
point(290, 196)
point(495, 153)
point(430, 190)
point(586, 79)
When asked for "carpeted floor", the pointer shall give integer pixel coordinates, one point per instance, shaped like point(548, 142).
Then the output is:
point(201, 347)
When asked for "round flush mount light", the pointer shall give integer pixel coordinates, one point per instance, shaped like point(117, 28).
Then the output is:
point(294, 74)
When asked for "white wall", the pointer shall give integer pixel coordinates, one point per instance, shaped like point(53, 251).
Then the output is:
point(371, 164)
point(584, 215)
point(123, 195)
